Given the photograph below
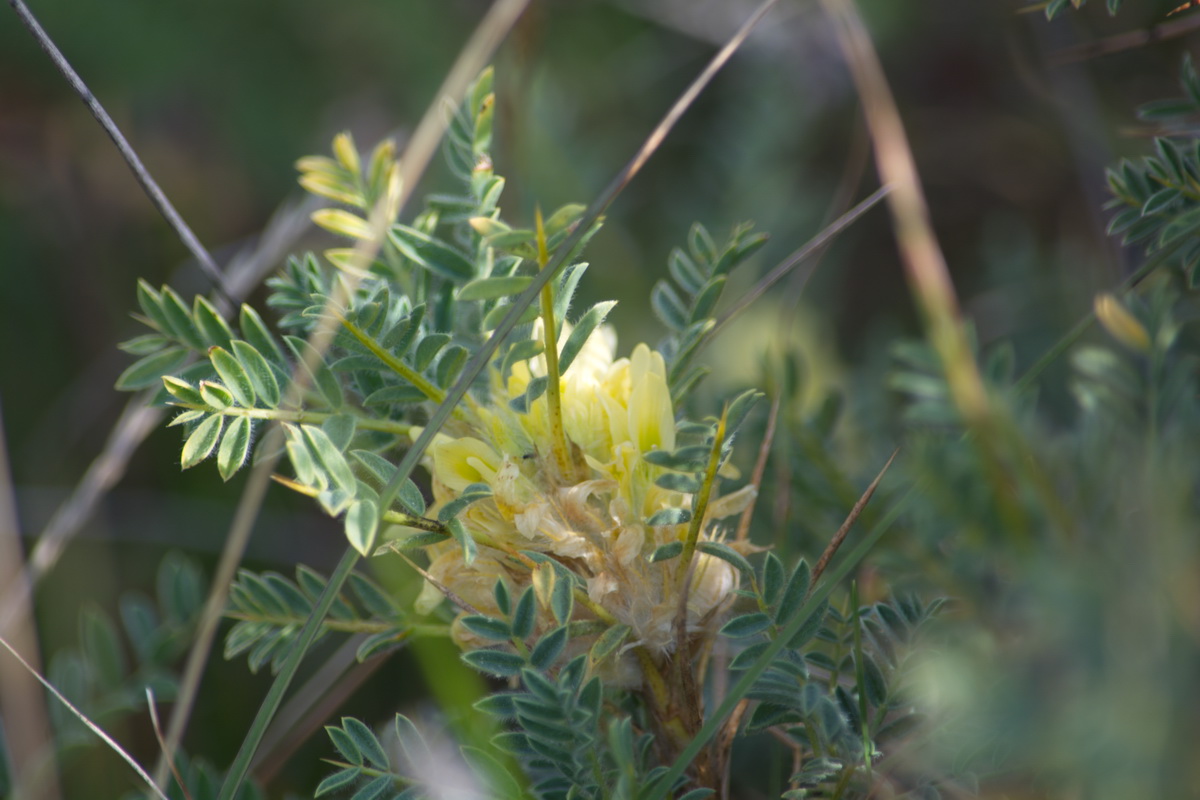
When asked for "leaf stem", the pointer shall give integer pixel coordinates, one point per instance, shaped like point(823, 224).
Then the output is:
point(701, 504)
point(558, 437)
point(397, 366)
point(369, 626)
point(300, 417)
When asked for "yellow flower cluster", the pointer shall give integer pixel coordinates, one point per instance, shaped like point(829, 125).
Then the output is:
point(591, 519)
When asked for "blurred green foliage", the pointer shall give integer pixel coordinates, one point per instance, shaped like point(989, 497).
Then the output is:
point(1065, 664)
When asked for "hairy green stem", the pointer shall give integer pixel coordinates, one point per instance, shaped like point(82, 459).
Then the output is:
point(344, 626)
point(660, 788)
point(301, 417)
point(406, 372)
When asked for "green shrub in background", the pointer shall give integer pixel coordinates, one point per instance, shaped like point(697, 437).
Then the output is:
point(578, 527)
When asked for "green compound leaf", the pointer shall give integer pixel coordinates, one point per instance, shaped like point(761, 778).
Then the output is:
point(591, 319)
point(706, 301)
point(666, 552)
point(549, 648)
point(259, 336)
point(726, 553)
point(151, 369)
point(668, 307)
point(429, 347)
point(464, 538)
point(670, 516)
point(182, 391)
point(492, 288)
point(235, 446)
point(233, 375)
point(200, 443)
point(746, 625)
point(362, 525)
point(875, 685)
point(376, 789)
point(794, 594)
point(679, 482)
point(327, 382)
point(180, 320)
point(487, 627)
point(262, 377)
point(150, 302)
point(345, 744)
point(562, 600)
point(215, 395)
point(773, 574)
point(143, 345)
point(341, 779)
point(494, 775)
point(366, 742)
point(495, 662)
point(340, 430)
point(525, 615)
point(607, 643)
point(330, 457)
point(433, 254)
point(213, 328)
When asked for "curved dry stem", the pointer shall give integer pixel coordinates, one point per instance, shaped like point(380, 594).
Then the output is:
point(925, 265)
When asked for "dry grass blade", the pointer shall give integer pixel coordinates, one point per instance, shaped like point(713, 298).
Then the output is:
point(93, 727)
point(156, 195)
point(417, 155)
point(839, 537)
point(925, 265)
point(162, 743)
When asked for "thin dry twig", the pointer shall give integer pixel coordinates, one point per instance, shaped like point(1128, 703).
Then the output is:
point(93, 727)
point(162, 743)
point(1128, 40)
point(760, 468)
point(156, 195)
point(840, 536)
point(813, 246)
point(441, 587)
point(925, 265)
point(21, 703)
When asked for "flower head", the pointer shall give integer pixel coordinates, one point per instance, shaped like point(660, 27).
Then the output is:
point(592, 521)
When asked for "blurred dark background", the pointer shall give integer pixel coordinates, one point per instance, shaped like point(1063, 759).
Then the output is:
point(220, 99)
